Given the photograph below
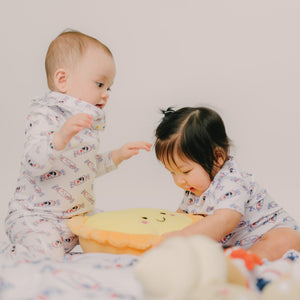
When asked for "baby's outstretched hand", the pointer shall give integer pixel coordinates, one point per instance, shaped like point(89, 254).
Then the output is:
point(128, 150)
point(71, 127)
point(170, 234)
point(173, 234)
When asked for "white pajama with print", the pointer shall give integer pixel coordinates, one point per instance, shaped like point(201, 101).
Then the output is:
point(55, 185)
point(237, 190)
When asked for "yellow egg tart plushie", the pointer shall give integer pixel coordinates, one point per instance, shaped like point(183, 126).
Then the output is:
point(128, 231)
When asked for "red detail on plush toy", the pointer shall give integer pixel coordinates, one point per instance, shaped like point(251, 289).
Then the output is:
point(250, 259)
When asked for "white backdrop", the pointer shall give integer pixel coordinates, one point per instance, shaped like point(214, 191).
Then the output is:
point(240, 57)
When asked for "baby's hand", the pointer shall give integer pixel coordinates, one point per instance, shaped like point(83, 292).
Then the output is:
point(170, 235)
point(71, 127)
point(173, 233)
point(128, 150)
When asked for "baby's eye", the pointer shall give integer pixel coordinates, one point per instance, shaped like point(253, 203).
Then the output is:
point(100, 84)
point(108, 89)
point(186, 172)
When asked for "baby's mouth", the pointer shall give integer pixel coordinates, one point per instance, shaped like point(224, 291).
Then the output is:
point(100, 106)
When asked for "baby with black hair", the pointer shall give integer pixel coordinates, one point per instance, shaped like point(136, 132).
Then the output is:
point(193, 145)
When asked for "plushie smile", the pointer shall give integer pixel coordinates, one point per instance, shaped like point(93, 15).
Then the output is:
point(163, 219)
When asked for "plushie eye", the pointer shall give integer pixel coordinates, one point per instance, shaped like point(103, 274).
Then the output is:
point(162, 213)
point(145, 218)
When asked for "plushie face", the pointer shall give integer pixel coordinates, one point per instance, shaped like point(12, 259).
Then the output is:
point(131, 231)
point(140, 221)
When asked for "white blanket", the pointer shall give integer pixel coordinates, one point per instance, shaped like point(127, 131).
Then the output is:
point(106, 276)
point(77, 276)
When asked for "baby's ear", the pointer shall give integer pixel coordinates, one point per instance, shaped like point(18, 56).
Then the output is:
point(60, 80)
point(220, 156)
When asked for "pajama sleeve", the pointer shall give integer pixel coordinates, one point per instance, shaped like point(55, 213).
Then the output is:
point(104, 163)
point(231, 195)
point(39, 152)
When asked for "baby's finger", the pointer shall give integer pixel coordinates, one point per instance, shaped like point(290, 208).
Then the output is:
point(83, 115)
point(140, 145)
point(85, 121)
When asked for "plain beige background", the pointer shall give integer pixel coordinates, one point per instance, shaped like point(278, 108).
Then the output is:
point(239, 57)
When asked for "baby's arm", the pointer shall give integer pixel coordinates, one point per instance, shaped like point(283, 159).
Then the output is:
point(71, 127)
point(128, 150)
point(44, 138)
point(107, 162)
point(215, 226)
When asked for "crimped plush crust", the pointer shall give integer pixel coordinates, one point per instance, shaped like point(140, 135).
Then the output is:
point(96, 240)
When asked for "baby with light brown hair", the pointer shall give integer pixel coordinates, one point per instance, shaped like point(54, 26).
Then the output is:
point(61, 154)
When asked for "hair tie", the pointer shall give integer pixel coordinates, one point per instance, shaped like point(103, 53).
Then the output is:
point(169, 111)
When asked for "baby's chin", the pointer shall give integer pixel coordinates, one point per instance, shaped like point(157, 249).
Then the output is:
point(195, 192)
point(100, 106)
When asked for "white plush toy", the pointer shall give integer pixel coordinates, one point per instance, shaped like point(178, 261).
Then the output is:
point(184, 268)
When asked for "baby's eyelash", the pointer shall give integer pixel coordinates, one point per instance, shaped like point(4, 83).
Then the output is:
point(100, 84)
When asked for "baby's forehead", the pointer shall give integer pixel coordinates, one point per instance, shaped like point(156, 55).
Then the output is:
point(176, 161)
point(102, 61)
point(95, 50)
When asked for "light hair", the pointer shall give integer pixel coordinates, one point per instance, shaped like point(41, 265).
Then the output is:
point(66, 50)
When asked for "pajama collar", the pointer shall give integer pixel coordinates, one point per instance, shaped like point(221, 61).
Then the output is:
point(75, 106)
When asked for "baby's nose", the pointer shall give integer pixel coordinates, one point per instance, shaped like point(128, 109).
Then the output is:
point(105, 95)
point(180, 179)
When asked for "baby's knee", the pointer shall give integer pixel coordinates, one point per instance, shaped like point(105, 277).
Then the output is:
point(283, 238)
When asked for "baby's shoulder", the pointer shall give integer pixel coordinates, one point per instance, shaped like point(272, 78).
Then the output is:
point(231, 178)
